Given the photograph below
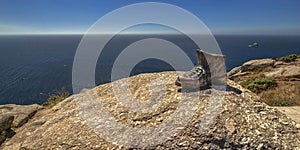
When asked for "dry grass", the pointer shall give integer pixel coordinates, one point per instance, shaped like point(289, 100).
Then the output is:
point(56, 97)
point(286, 94)
point(259, 83)
point(274, 92)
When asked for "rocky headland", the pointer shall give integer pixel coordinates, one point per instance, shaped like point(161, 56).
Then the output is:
point(276, 81)
point(243, 121)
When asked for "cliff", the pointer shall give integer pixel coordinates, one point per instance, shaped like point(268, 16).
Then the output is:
point(242, 120)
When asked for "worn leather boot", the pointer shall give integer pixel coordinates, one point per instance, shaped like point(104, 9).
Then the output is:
point(210, 70)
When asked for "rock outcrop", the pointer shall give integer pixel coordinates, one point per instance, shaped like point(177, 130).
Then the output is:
point(270, 67)
point(275, 81)
point(287, 71)
point(21, 113)
point(14, 116)
point(241, 122)
point(255, 64)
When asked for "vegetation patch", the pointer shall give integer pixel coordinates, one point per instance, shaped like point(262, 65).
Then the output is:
point(259, 83)
point(280, 97)
point(56, 97)
point(236, 79)
point(280, 102)
point(289, 58)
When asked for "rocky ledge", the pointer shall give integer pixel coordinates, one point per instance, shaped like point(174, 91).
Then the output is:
point(269, 67)
point(242, 122)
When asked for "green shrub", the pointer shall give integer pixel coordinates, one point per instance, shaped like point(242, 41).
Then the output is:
point(259, 83)
point(236, 79)
point(289, 58)
point(58, 96)
point(248, 81)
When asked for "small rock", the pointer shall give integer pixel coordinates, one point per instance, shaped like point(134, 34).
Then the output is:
point(2, 136)
point(285, 122)
point(258, 132)
point(5, 123)
point(245, 140)
point(263, 112)
point(260, 146)
point(184, 143)
point(230, 126)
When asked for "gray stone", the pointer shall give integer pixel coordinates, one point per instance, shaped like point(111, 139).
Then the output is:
point(278, 69)
point(5, 121)
point(274, 73)
point(278, 63)
point(256, 64)
point(234, 71)
point(284, 72)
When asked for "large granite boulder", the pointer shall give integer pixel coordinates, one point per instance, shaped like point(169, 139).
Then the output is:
point(242, 122)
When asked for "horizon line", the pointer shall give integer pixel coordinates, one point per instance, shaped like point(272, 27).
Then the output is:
point(268, 34)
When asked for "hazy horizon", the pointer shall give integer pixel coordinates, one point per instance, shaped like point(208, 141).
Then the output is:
point(270, 17)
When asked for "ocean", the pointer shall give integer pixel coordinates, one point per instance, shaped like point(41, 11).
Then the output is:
point(32, 67)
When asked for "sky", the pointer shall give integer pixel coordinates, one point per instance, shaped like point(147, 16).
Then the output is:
point(222, 17)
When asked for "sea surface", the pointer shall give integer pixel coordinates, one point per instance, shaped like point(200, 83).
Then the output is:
point(32, 67)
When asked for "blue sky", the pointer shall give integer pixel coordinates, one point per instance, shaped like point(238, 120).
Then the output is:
point(76, 16)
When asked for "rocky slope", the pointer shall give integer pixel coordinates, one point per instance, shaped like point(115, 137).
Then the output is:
point(286, 76)
point(242, 122)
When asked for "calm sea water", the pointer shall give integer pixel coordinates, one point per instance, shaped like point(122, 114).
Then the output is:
point(33, 66)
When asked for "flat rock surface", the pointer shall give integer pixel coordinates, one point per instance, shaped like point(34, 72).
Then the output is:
point(293, 112)
point(239, 121)
point(255, 64)
point(275, 68)
point(288, 71)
